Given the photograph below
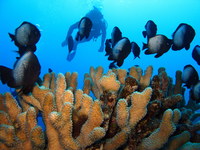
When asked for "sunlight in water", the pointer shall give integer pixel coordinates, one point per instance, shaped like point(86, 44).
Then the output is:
point(97, 3)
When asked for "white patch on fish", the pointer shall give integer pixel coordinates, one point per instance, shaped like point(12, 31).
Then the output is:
point(155, 43)
point(118, 48)
point(23, 37)
point(178, 36)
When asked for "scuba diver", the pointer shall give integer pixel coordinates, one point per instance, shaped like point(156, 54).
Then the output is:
point(92, 26)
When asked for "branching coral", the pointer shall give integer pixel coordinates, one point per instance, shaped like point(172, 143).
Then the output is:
point(19, 130)
point(129, 110)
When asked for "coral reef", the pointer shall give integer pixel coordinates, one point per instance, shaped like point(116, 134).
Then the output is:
point(119, 109)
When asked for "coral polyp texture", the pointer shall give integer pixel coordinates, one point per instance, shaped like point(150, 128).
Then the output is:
point(120, 109)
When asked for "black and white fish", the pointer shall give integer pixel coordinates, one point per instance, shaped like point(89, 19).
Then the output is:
point(26, 36)
point(195, 92)
point(182, 37)
point(84, 28)
point(116, 35)
point(120, 51)
point(24, 74)
point(196, 54)
point(135, 49)
point(189, 76)
point(159, 44)
point(151, 29)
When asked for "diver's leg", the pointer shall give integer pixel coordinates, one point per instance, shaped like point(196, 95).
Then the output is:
point(72, 53)
point(69, 33)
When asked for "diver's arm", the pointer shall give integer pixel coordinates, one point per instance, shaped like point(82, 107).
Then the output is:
point(70, 31)
point(103, 37)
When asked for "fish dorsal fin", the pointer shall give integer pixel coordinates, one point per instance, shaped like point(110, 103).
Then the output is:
point(144, 33)
point(5, 74)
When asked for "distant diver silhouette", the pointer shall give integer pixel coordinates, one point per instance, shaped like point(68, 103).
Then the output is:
point(83, 26)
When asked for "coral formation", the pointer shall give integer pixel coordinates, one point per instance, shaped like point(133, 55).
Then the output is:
point(119, 109)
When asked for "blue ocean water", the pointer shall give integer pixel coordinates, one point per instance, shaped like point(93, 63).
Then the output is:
point(54, 18)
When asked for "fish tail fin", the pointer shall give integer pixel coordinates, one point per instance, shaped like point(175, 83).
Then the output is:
point(5, 74)
point(112, 65)
point(145, 46)
point(32, 48)
point(170, 41)
point(110, 57)
point(136, 57)
point(108, 48)
point(144, 33)
point(26, 90)
point(21, 51)
point(12, 36)
point(187, 47)
point(108, 51)
point(174, 48)
point(120, 62)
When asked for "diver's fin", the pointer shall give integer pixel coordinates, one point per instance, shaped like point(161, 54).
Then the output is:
point(144, 33)
point(71, 55)
point(12, 36)
point(70, 43)
point(5, 74)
